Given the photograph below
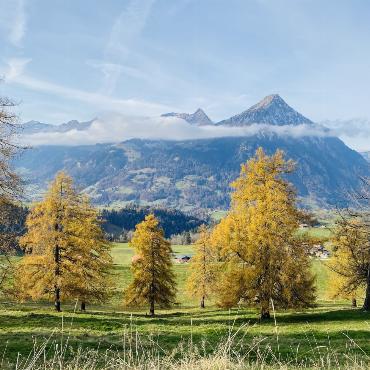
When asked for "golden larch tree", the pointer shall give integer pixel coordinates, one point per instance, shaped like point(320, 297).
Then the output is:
point(350, 263)
point(203, 268)
point(335, 287)
point(66, 256)
point(91, 279)
point(153, 278)
point(265, 261)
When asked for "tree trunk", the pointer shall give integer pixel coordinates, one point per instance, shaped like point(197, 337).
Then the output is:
point(265, 311)
point(57, 299)
point(265, 315)
point(202, 304)
point(152, 292)
point(57, 274)
point(83, 306)
point(354, 302)
point(151, 311)
point(366, 306)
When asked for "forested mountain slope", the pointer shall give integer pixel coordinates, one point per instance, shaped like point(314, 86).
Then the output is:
point(193, 173)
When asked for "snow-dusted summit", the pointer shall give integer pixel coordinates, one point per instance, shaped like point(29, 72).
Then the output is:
point(34, 127)
point(198, 118)
point(272, 110)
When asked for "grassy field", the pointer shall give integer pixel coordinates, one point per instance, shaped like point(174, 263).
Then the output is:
point(318, 232)
point(331, 325)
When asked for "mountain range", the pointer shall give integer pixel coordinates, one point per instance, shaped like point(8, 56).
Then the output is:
point(196, 173)
point(34, 127)
point(271, 110)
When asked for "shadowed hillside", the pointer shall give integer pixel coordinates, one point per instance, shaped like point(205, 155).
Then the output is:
point(191, 174)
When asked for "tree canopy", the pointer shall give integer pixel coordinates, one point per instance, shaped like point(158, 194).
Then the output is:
point(264, 259)
point(66, 254)
point(203, 268)
point(153, 277)
point(351, 259)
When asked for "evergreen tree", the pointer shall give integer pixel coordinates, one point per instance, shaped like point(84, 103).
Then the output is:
point(264, 259)
point(154, 280)
point(66, 254)
point(202, 268)
point(351, 260)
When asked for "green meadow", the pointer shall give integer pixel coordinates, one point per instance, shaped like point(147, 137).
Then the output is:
point(333, 326)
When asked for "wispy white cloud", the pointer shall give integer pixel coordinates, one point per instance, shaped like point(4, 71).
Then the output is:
point(113, 128)
point(15, 74)
point(354, 132)
point(112, 72)
point(15, 68)
point(126, 28)
point(122, 61)
point(13, 20)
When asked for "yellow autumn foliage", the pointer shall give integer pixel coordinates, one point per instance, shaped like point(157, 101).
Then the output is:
point(350, 264)
point(203, 268)
point(66, 255)
point(153, 278)
point(264, 261)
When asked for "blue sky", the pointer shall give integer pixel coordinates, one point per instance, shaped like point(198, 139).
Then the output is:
point(65, 59)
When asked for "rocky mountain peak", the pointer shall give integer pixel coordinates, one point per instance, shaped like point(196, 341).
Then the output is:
point(267, 101)
point(272, 110)
point(198, 118)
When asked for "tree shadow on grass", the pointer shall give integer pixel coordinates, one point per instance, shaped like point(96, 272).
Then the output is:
point(117, 321)
point(242, 317)
point(344, 315)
